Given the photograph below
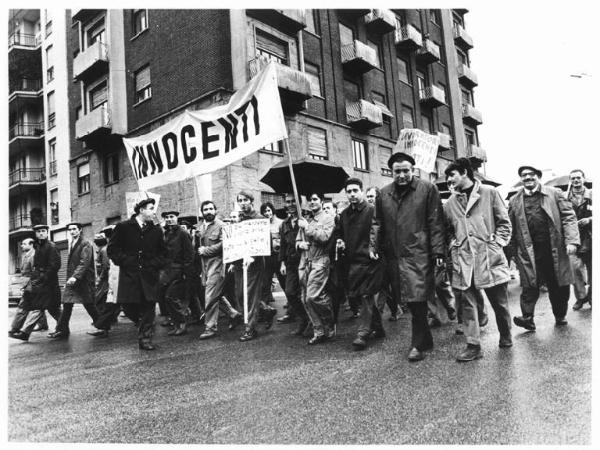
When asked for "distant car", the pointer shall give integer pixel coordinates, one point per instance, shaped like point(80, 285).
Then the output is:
point(15, 283)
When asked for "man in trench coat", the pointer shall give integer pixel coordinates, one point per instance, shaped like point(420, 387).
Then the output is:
point(137, 246)
point(545, 234)
point(408, 228)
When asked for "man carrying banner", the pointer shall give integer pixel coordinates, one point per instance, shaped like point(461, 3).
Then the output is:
point(138, 248)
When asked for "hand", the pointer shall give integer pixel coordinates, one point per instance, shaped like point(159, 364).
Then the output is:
point(201, 251)
point(439, 262)
point(230, 269)
point(583, 222)
point(302, 223)
point(302, 245)
point(340, 245)
point(71, 281)
point(282, 269)
point(374, 256)
point(571, 249)
point(248, 260)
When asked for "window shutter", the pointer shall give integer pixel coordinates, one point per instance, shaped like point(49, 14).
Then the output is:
point(142, 78)
point(317, 142)
point(271, 45)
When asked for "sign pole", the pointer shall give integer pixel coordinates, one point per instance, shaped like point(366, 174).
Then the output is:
point(286, 146)
point(245, 273)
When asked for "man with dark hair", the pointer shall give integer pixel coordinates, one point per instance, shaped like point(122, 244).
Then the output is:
point(314, 243)
point(138, 248)
point(80, 281)
point(581, 200)
point(408, 228)
point(545, 234)
point(27, 254)
point(364, 270)
point(479, 228)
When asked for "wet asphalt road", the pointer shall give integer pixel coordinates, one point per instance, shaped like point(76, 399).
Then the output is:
point(278, 390)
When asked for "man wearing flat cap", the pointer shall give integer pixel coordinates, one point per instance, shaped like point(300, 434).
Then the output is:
point(137, 246)
point(408, 229)
point(545, 233)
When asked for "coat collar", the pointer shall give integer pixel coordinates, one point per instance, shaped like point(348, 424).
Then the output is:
point(546, 194)
point(362, 205)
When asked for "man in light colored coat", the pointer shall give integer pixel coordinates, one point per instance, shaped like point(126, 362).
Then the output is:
point(479, 228)
point(545, 234)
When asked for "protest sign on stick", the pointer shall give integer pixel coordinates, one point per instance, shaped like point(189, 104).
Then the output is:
point(423, 147)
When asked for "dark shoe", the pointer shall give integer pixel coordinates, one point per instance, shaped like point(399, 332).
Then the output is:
point(560, 321)
point(470, 353)
point(483, 322)
point(452, 314)
point(377, 334)
point(317, 339)
point(459, 330)
point(505, 342)
point(524, 322)
point(269, 316)
point(207, 334)
point(332, 332)
point(235, 321)
point(38, 327)
point(98, 333)
point(248, 335)
point(415, 355)
point(360, 343)
point(286, 319)
point(434, 322)
point(20, 335)
point(180, 329)
point(393, 317)
point(58, 335)
point(147, 346)
point(579, 304)
point(11, 332)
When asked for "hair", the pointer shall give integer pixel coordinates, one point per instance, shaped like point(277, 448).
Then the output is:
point(246, 194)
point(373, 188)
point(75, 224)
point(28, 240)
point(207, 202)
point(577, 170)
point(266, 205)
point(356, 181)
point(462, 166)
point(318, 194)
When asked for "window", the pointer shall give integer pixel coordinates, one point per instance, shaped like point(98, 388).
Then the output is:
point(78, 112)
point(54, 205)
point(421, 81)
point(434, 16)
point(470, 138)
point(375, 47)
point(443, 88)
point(52, 156)
point(48, 28)
point(317, 143)
point(447, 130)
point(98, 95)
point(403, 71)
point(312, 72)
point(359, 150)
point(51, 111)
point(312, 20)
point(83, 178)
point(49, 63)
point(384, 156)
point(278, 200)
point(346, 35)
point(96, 33)
point(407, 117)
point(274, 147)
point(462, 57)
point(143, 89)
point(467, 99)
point(140, 20)
point(427, 123)
point(111, 168)
point(271, 47)
point(351, 91)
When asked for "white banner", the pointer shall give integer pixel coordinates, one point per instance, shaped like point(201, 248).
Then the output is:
point(204, 187)
point(131, 198)
point(423, 147)
point(247, 238)
point(199, 142)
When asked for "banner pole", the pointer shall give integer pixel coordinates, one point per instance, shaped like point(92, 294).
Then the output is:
point(286, 146)
point(245, 273)
point(197, 202)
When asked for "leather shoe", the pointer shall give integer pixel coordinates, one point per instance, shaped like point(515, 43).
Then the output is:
point(58, 335)
point(377, 334)
point(269, 316)
point(415, 355)
point(98, 333)
point(317, 339)
point(560, 321)
point(505, 342)
point(20, 335)
point(235, 321)
point(359, 343)
point(579, 304)
point(248, 335)
point(147, 346)
point(286, 319)
point(524, 322)
point(207, 334)
point(470, 353)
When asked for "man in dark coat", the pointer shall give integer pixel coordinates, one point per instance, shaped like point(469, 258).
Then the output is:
point(408, 228)
point(365, 273)
point(545, 234)
point(43, 293)
point(80, 281)
point(138, 248)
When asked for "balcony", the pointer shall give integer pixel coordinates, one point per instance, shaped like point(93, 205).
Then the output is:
point(476, 153)
point(353, 14)
point(445, 141)
point(24, 93)
point(294, 85)
point(466, 76)
point(23, 40)
point(288, 21)
point(26, 178)
point(462, 38)
point(19, 223)
point(358, 58)
point(95, 123)
point(381, 21)
point(25, 86)
point(83, 15)
point(363, 115)
point(429, 52)
point(408, 38)
point(432, 96)
point(90, 62)
point(471, 116)
point(461, 11)
point(26, 130)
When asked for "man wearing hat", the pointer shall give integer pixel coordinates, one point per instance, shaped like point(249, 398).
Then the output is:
point(137, 246)
point(80, 281)
point(408, 229)
point(180, 258)
point(545, 233)
point(44, 293)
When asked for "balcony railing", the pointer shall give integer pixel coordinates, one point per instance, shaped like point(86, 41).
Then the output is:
point(363, 114)
point(26, 176)
point(92, 57)
point(25, 85)
point(408, 38)
point(466, 76)
point(19, 221)
point(359, 57)
point(432, 96)
point(471, 115)
point(429, 53)
point(289, 21)
point(35, 129)
point(97, 120)
point(24, 40)
point(462, 38)
point(381, 21)
point(476, 152)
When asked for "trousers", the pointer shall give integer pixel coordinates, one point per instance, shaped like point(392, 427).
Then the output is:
point(65, 316)
point(582, 269)
point(315, 295)
point(498, 297)
point(370, 316)
point(421, 337)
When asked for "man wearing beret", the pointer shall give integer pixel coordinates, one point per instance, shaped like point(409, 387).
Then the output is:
point(544, 235)
point(80, 281)
point(137, 246)
point(408, 228)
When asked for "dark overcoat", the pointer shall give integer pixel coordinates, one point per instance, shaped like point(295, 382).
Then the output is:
point(179, 256)
point(408, 229)
point(102, 269)
point(80, 266)
point(563, 231)
point(140, 255)
point(44, 292)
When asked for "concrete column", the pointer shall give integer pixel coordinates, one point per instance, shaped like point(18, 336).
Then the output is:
point(239, 57)
point(117, 75)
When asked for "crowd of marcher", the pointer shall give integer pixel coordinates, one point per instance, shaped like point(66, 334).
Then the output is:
point(398, 245)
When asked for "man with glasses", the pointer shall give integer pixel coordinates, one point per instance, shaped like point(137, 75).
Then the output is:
point(545, 234)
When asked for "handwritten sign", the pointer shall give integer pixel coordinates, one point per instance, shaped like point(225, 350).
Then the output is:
point(247, 238)
point(423, 147)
